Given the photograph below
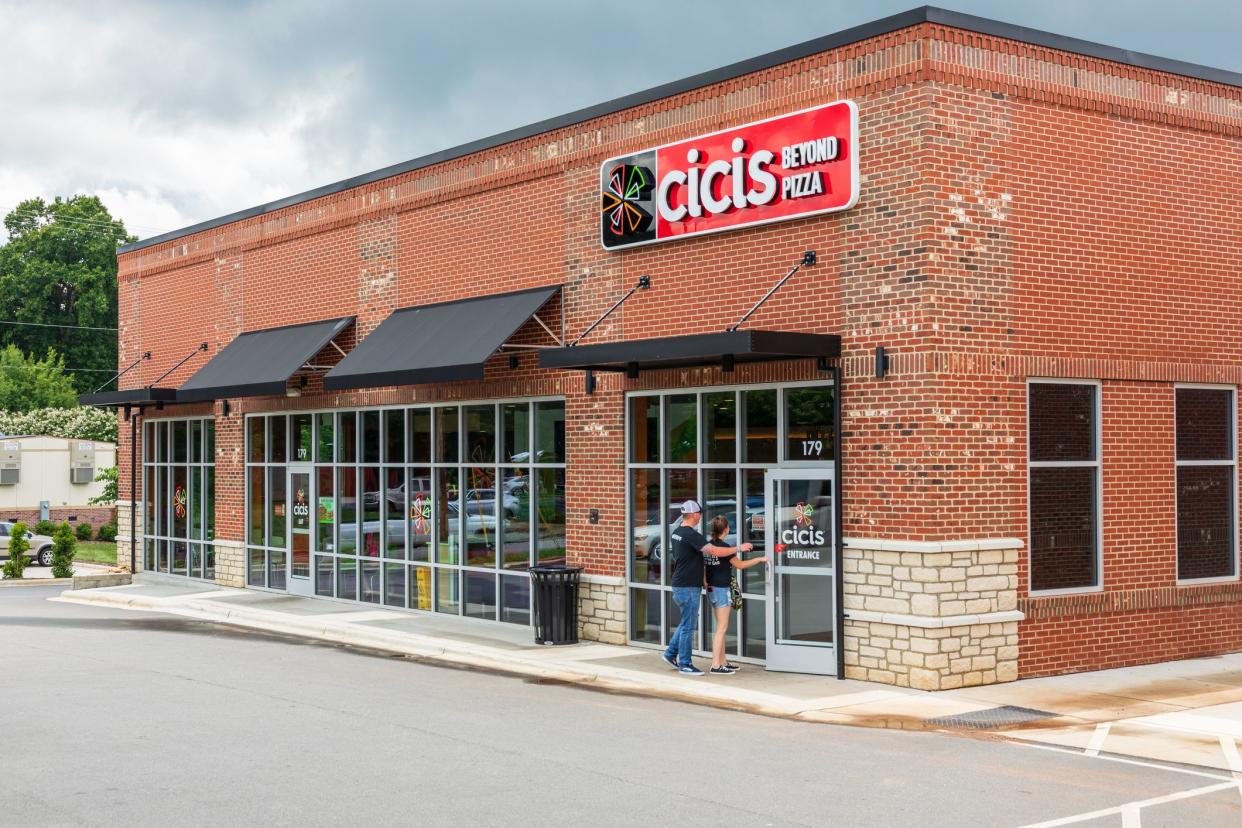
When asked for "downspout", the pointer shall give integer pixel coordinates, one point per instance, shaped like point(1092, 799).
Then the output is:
point(133, 491)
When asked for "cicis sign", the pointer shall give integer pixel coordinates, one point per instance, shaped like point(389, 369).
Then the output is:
point(786, 167)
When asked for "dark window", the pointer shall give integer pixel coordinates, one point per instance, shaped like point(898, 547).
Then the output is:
point(1064, 486)
point(1206, 544)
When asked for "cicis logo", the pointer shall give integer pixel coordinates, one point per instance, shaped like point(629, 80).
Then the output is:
point(179, 501)
point(420, 514)
point(802, 513)
point(802, 532)
point(782, 168)
point(301, 509)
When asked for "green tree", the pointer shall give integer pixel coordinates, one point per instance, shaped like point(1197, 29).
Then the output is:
point(64, 547)
point(107, 497)
point(15, 566)
point(59, 268)
point(27, 383)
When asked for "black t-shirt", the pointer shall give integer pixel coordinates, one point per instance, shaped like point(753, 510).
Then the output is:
point(687, 556)
point(719, 569)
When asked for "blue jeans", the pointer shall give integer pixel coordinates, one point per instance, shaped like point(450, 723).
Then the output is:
point(681, 645)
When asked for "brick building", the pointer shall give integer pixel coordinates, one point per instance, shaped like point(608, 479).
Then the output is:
point(1003, 393)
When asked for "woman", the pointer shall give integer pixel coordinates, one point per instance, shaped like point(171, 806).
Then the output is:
point(719, 576)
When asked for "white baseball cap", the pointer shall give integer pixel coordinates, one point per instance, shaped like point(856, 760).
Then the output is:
point(691, 507)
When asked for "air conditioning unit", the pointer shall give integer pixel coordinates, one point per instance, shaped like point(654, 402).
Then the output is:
point(10, 463)
point(81, 462)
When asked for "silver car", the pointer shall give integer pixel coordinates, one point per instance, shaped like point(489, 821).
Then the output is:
point(40, 551)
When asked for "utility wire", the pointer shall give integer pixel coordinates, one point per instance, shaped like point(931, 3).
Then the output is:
point(41, 324)
point(75, 219)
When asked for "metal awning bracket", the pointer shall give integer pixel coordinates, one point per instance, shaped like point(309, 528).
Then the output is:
point(808, 259)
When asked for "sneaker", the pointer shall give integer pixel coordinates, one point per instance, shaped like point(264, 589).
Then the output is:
point(671, 662)
point(732, 666)
point(721, 671)
point(690, 671)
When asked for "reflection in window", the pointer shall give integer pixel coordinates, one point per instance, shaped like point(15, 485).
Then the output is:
point(480, 433)
point(759, 413)
point(809, 420)
point(645, 429)
point(515, 433)
point(720, 427)
point(550, 520)
point(550, 431)
point(681, 434)
point(447, 430)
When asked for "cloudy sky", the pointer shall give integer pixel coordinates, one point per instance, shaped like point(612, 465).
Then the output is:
point(175, 112)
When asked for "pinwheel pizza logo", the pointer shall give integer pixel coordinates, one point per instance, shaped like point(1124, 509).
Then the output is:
point(626, 203)
point(420, 513)
point(802, 513)
point(179, 502)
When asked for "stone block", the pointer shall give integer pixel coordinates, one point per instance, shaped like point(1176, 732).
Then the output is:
point(885, 605)
point(940, 661)
point(911, 659)
point(950, 682)
point(925, 574)
point(616, 602)
point(1007, 671)
point(959, 665)
point(983, 662)
point(988, 583)
point(924, 605)
point(1006, 601)
point(924, 645)
point(921, 679)
point(979, 605)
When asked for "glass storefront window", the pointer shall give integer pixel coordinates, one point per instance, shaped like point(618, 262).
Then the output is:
point(550, 432)
point(759, 413)
point(480, 433)
point(809, 417)
point(644, 429)
point(550, 517)
point(515, 442)
point(323, 437)
point(179, 496)
point(277, 439)
point(370, 436)
point(394, 436)
point(481, 484)
point(347, 438)
point(681, 438)
point(303, 438)
point(447, 432)
point(714, 446)
point(420, 435)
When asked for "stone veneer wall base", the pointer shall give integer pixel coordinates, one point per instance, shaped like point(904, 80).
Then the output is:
point(601, 609)
point(932, 615)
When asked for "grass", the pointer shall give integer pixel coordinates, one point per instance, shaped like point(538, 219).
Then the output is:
point(96, 552)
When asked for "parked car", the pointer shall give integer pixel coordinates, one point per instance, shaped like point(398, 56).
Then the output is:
point(40, 552)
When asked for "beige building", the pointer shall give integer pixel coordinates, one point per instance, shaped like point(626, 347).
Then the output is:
point(55, 471)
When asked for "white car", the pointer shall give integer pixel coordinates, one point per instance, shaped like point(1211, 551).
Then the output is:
point(40, 551)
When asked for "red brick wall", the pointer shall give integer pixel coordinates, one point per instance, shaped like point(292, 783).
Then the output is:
point(1023, 213)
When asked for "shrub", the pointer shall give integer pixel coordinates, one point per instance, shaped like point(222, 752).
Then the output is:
point(64, 547)
point(15, 566)
point(82, 423)
point(107, 532)
point(83, 531)
point(45, 527)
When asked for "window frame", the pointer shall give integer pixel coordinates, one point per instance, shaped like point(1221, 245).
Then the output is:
point(1233, 462)
point(1097, 464)
point(157, 454)
point(435, 464)
point(702, 469)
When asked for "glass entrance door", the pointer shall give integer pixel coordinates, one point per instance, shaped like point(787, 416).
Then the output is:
point(300, 517)
point(802, 610)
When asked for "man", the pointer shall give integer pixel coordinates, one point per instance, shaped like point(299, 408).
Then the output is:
point(686, 554)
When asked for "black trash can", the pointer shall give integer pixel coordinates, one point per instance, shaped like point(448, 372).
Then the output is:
point(556, 603)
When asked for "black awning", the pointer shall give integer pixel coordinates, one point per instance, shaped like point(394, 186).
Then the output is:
point(437, 343)
point(724, 348)
point(130, 396)
point(260, 362)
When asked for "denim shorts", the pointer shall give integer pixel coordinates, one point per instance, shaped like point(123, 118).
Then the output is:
point(719, 596)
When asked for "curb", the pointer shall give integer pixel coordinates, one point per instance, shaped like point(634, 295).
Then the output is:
point(17, 582)
point(457, 654)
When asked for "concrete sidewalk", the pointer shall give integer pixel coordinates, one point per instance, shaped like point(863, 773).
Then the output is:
point(1187, 712)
